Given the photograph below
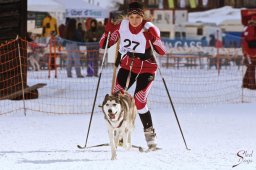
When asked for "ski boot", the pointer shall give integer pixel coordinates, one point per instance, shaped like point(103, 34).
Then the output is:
point(150, 137)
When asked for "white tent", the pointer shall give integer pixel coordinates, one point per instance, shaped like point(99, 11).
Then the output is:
point(217, 15)
point(45, 6)
point(81, 9)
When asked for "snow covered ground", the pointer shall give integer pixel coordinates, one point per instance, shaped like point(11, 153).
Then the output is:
point(214, 133)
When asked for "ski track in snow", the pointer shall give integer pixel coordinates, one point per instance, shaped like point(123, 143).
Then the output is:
point(214, 133)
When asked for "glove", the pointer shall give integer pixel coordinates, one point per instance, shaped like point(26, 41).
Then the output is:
point(150, 36)
point(152, 29)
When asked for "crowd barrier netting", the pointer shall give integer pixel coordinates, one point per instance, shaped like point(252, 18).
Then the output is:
point(194, 76)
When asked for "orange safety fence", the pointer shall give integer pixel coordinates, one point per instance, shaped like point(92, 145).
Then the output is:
point(191, 75)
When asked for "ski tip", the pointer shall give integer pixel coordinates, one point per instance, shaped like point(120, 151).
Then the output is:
point(80, 147)
point(149, 149)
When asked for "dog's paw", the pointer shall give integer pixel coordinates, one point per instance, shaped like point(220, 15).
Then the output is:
point(113, 157)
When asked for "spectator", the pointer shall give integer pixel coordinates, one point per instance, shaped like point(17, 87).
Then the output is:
point(249, 50)
point(93, 36)
point(87, 24)
point(72, 36)
point(61, 30)
point(49, 25)
point(101, 27)
point(80, 29)
point(212, 40)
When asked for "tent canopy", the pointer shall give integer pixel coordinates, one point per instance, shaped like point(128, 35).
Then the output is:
point(81, 9)
point(72, 9)
point(217, 15)
point(45, 6)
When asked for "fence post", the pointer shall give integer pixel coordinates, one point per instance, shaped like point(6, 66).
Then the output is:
point(21, 76)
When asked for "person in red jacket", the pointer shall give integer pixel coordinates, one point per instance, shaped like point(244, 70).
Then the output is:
point(249, 50)
point(136, 57)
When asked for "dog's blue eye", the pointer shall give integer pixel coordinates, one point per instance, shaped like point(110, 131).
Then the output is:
point(107, 104)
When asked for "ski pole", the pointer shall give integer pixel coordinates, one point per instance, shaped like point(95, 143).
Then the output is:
point(96, 93)
point(169, 96)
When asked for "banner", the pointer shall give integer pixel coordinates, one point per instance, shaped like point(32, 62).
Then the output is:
point(171, 3)
point(192, 3)
point(85, 13)
point(172, 43)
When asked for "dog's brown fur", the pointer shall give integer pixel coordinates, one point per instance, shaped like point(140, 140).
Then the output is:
point(120, 113)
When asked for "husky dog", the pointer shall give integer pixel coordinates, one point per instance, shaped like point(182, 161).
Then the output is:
point(36, 52)
point(34, 62)
point(120, 113)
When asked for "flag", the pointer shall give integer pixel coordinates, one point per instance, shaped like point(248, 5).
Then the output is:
point(171, 3)
point(205, 3)
point(192, 3)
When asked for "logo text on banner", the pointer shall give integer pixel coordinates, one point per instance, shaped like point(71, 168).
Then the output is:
point(171, 43)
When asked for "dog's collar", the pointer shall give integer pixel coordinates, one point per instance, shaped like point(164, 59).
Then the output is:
point(121, 123)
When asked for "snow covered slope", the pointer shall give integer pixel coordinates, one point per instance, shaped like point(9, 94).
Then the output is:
point(215, 134)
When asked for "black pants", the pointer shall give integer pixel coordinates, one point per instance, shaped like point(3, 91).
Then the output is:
point(142, 81)
point(143, 85)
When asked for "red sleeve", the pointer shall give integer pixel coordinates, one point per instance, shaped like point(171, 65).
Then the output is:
point(153, 34)
point(245, 47)
point(114, 34)
point(159, 47)
point(156, 43)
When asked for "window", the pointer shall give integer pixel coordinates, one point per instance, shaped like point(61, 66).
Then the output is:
point(177, 35)
point(180, 35)
point(199, 31)
point(183, 35)
point(165, 34)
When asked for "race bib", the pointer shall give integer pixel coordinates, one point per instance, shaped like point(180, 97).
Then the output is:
point(131, 42)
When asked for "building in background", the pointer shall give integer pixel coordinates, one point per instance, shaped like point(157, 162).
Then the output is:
point(171, 17)
point(195, 5)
